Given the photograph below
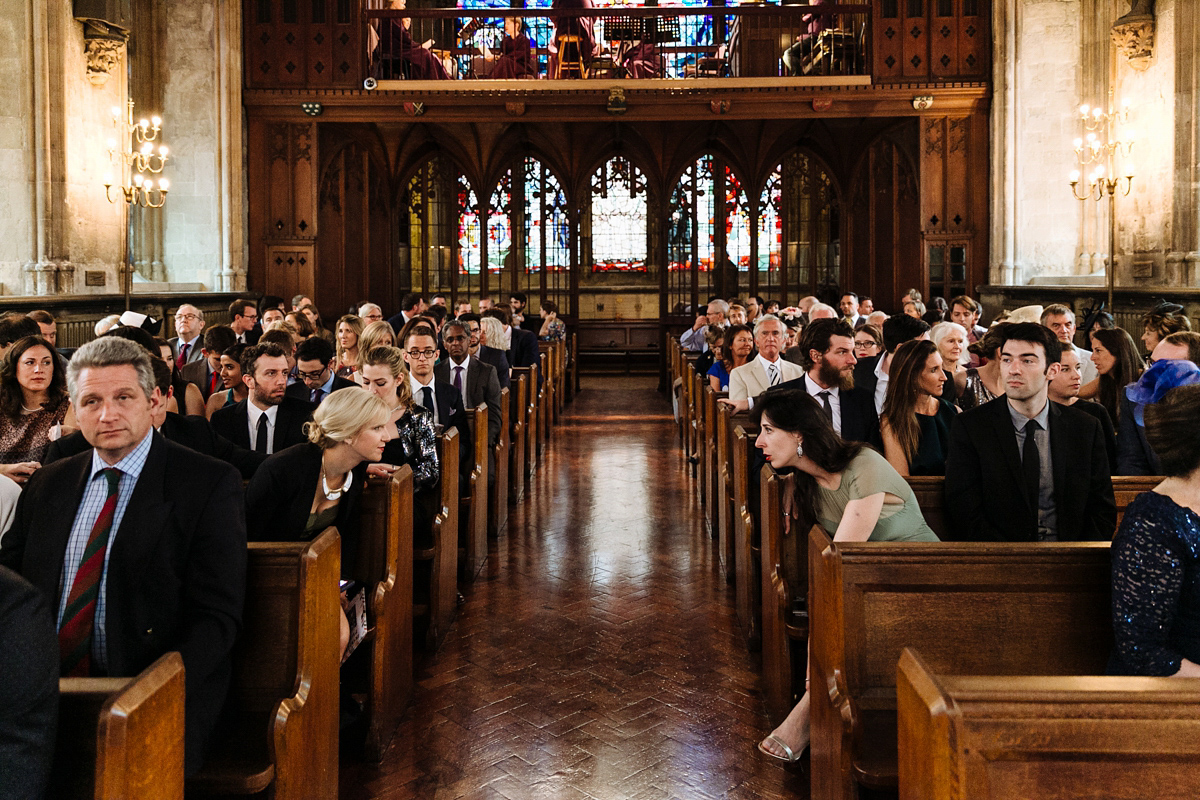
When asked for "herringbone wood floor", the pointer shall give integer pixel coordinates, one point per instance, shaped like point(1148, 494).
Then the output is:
point(598, 655)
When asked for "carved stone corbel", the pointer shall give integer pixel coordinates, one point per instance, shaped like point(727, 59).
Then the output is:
point(102, 45)
point(1133, 34)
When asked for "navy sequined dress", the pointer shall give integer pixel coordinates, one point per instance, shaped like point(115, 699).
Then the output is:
point(1156, 587)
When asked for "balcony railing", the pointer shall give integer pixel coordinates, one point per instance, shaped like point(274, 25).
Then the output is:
point(627, 42)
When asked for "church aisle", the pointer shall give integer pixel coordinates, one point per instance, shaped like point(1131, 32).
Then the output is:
point(598, 655)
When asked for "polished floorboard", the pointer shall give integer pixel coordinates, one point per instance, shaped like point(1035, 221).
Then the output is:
point(598, 655)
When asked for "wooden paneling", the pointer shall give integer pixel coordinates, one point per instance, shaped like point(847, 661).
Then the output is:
point(303, 43)
point(953, 203)
point(921, 39)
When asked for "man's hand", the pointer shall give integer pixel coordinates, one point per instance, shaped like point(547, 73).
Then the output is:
point(701, 321)
point(736, 405)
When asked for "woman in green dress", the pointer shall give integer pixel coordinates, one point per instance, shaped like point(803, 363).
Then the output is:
point(847, 488)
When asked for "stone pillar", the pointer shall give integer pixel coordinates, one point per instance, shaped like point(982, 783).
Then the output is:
point(1185, 244)
point(1004, 125)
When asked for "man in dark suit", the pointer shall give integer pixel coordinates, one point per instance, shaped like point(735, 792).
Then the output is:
point(29, 691)
point(446, 403)
point(871, 374)
point(186, 345)
point(522, 347)
point(267, 421)
point(827, 353)
point(314, 368)
point(521, 318)
point(206, 373)
point(243, 319)
point(410, 306)
point(488, 355)
point(1024, 469)
point(195, 433)
point(476, 381)
point(140, 544)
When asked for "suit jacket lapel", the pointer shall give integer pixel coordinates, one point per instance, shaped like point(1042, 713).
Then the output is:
point(50, 543)
point(1006, 443)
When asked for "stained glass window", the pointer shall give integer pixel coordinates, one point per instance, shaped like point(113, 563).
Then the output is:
point(618, 217)
point(695, 215)
point(469, 250)
point(770, 225)
point(427, 237)
point(547, 228)
point(500, 241)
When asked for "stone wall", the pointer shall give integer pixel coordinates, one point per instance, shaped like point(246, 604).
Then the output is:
point(16, 145)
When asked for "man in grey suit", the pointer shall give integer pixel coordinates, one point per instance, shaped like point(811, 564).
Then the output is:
point(189, 324)
point(475, 380)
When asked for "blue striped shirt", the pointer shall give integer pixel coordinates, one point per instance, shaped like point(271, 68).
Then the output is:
point(94, 495)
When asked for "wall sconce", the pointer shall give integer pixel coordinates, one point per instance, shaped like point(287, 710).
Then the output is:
point(312, 109)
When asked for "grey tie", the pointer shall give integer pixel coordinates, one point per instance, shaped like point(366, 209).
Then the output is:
point(827, 405)
point(772, 374)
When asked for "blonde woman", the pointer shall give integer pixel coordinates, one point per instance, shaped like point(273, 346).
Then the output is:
point(349, 329)
point(376, 334)
point(301, 491)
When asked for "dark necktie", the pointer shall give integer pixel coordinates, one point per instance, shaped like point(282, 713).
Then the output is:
point(427, 400)
point(183, 354)
point(317, 394)
point(260, 441)
point(827, 405)
point(458, 379)
point(1031, 462)
point(79, 615)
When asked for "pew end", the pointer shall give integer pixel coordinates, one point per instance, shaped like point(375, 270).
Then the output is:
point(473, 505)
point(441, 559)
point(498, 488)
point(988, 737)
point(122, 738)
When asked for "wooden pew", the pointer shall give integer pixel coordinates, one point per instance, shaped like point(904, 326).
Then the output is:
point(1053, 738)
point(516, 451)
point(385, 560)
point(560, 391)
point(280, 726)
point(931, 497)
point(121, 738)
point(435, 610)
point(696, 413)
point(473, 501)
point(725, 499)
point(982, 608)
point(747, 557)
point(710, 457)
point(784, 591)
point(498, 488)
point(520, 475)
point(531, 429)
point(573, 379)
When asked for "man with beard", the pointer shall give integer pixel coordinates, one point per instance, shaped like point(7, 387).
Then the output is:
point(827, 350)
point(267, 421)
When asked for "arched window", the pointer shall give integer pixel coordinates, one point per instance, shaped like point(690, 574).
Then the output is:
point(618, 218)
point(708, 232)
point(432, 231)
point(770, 229)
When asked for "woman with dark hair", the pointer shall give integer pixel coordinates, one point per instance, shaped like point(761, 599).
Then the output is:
point(978, 385)
point(1163, 320)
point(1118, 364)
point(33, 401)
point(1156, 552)
point(915, 422)
point(738, 349)
point(185, 397)
point(300, 322)
point(868, 342)
point(845, 487)
point(553, 329)
point(235, 389)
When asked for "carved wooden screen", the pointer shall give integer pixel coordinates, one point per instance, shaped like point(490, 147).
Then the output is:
point(921, 39)
point(303, 43)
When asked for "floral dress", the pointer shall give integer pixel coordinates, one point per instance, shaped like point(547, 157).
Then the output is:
point(27, 437)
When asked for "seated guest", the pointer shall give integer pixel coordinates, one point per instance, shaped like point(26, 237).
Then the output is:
point(876, 319)
point(553, 329)
point(1063, 388)
point(827, 355)
point(231, 381)
point(848, 489)
point(282, 337)
point(951, 341)
point(193, 432)
point(187, 345)
point(266, 420)
point(916, 419)
point(521, 348)
point(849, 306)
point(1156, 553)
point(516, 55)
point(416, 63)
point(310, 312)
point(737, 314)
point(300, 321)
point(872, 375)
point(1118, 365)
point(243, 320)
point(375, 334)
point(410, 306)
point(714, 339)
point(369, 312)
point(736, 351)
point(206, 373)
point(693, 338)
point(186, 397)
point(1023, 469)
point(314, 368)
point(488, 355)
point(33, 403)
point(349, 329)
point(821, 311)
point(763, 371)
point(1163, 320)
point(29, 691)
point(176, 578)
point(1061, 320)
point(868, 342)
point(441, 399)
point(978, 385)
point(301, 491)
point(1174, 366)
point(415, 441)
point(771, 307)
point(15, 326)
point(475, 380)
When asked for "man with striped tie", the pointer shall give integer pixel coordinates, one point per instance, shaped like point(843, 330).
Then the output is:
point(138, 543)
point(765, 370)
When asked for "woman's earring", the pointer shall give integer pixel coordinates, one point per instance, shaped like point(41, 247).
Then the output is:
point(799, 449)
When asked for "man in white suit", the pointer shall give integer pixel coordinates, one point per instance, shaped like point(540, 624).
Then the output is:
point(766, 369)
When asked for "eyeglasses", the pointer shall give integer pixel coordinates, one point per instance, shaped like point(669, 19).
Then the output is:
point(426, 354)
point(186, 317)
point(312, 376)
